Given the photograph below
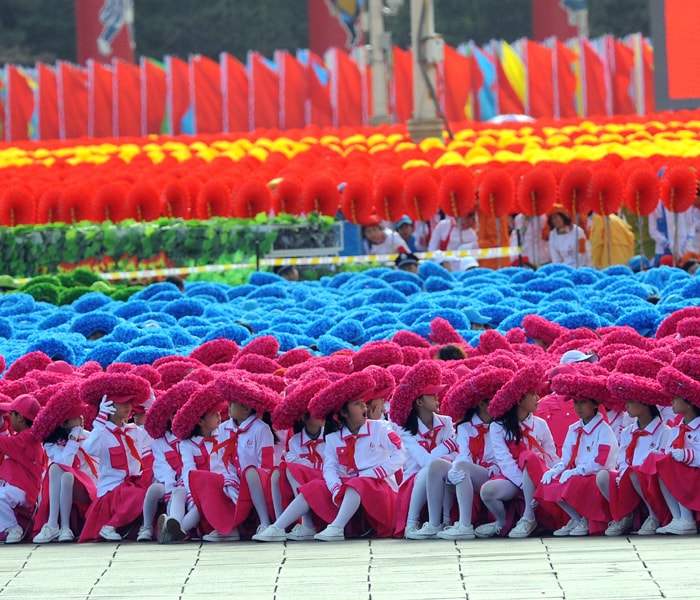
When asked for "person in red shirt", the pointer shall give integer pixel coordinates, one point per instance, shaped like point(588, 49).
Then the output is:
point(22, 467)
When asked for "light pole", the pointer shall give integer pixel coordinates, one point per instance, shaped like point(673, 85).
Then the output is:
point(380, 44)
point(428, 50)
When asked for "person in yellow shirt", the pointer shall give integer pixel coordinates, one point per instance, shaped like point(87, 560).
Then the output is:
point(621, 247)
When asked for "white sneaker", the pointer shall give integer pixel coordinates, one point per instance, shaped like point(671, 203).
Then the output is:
point(301, 533)
point(426, 532)
point(580, 529)
point(620, 527)
point(66, 535)
point(679, 527)
point(110, 534)
point(649, 527)
point(330, 534)
point(523, 528)
point(46, 535)
point(566, 530)
point(457, 532)
point(145, 534)
point(270, 534)
point(215, 536)
point(14, 535)
point(488, 530)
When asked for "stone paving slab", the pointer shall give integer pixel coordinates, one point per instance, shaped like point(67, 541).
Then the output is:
point(536, 568)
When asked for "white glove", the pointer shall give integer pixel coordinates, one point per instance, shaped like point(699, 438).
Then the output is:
point(493, 470)
point(547, 476)
point(681, 455)
point(75, 433)
point(335, 496)
point(454, 476)
point(566, 475)
point(106, 409)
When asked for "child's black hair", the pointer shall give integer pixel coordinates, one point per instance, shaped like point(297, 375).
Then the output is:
point(266, 418)
point(511, 424)
point(468, 415)
point(196, 430)
point(60, 434)
point(654, 410)
point(331, 426)
point(411, 424)
point(451, 352)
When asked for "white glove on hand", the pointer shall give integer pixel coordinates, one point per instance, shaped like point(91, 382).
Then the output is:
point(106, 409)
point(566, 475)
point(75, 432)
point(679, 455)
point(335, 497)
point(547, 476)
point(493, 470)
point(454, 476)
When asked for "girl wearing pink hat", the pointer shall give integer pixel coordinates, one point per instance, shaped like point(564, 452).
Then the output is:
point(523, 448)
point(678, 471)
point(303, 459)
point(69, 486)
point(195, 424)
point(121, 477)
point(589, 447)
point(627, 487)
point(22, 467)
point(360, 461)
point(245, 449)
point(426, 436)
point(167, 486)
point(468, 401)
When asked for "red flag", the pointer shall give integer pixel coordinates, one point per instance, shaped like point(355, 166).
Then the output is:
point(127, 99)
point(508, 100)
point(47, 122)
point(346, 90)
point(72, 101)
point(99, 100)
point(153, 93)
point(205, 86)
point(622, 66)
point(235, 94)
point(564, 81)
point(19, 105)
point(402, 92)
point(319, 98)
point(293, 91)
point(178, 92)
point(593, 81)
point(540, 87)
point(648, 58)
point(263, 92)
point(457, 85)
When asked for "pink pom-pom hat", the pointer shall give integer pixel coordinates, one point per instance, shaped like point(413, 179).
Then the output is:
point(480, 385)
point(690, 326)
point(539, 328)
point(587, 381)
point(63, 405)
point(442, 332)
point(384, 383)
point(333, 397)
point(296, 403)
point(206, 399)
point(294, 356)
point(627, 335)
point(256, 363)
point(424, 378)
point(118, 387)
point(36, 360)
point(413, 355)
point(215, 351)
point(165, 406)
point(265, 345)
point(381, 353)
point(14, 388)
point(640, 388)
point(491, 340)
point(409, 338)
point(682, 378)
point(669, 325)
point(175, 371)
point(528, 378)
point(233, 388)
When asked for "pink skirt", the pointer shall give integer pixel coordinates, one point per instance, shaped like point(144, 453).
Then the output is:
point(582, 493)
point(119, 507)
point(218, 511)
point(377, 497)
point(82, 486)
point(681, 480)
point(625, 500)
point(550, 516)
point(403, 500)
point(302, 473)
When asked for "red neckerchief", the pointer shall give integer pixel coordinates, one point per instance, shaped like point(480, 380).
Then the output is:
point(429, 439)
point(679, 442)
point(230, 446)
point(202, 461)
point(531, 441)
point(123, 437)
point(313, 455)
point(574, 451)
point(173, 457)
point(88, 460)
point(346, 454)
point(477, 444)
point(629, 452)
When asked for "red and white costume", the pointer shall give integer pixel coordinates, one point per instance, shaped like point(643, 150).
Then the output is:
point(20, 474)
point(366, 462)
point(71, 457)
point(121, 478)
point(304, 460)
point(474, 443)
point(427, 445)
point(167, 462)
point(222, 496)
point(635, 446)
point(588, 448)
point(618, 420)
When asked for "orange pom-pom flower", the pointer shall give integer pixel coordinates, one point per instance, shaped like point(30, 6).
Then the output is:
point(641, 192)
point(388, 195)
point(537, 192)
point(605, 192)
point(356, 203)
point(496, 193)
point(573, 187)
point(457, 192)
point(678, 188)
point(320, 194)
point(251, 198)
point(420, 195)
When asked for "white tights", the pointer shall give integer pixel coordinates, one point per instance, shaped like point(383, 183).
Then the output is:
point(602, 480)
point(300, 507)
point(476, 476)
point(306, 519)
point(496, 492)
point(61, 485)
point(678, 511)
point(257, 495)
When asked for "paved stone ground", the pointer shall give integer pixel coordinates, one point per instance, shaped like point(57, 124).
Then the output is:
point(583, 568)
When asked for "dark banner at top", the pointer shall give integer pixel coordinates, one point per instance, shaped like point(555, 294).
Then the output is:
point(104, 30)
point(558, 18)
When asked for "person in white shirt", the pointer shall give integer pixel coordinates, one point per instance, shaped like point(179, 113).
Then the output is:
point(453, 234)
point(673, 233)
point(568, 243)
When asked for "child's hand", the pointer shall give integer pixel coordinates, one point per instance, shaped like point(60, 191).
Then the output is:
point(566, 475)
point(75, 433)
point(682, 455)
point(106, 409)
point(547, 476)
point(454, 476)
